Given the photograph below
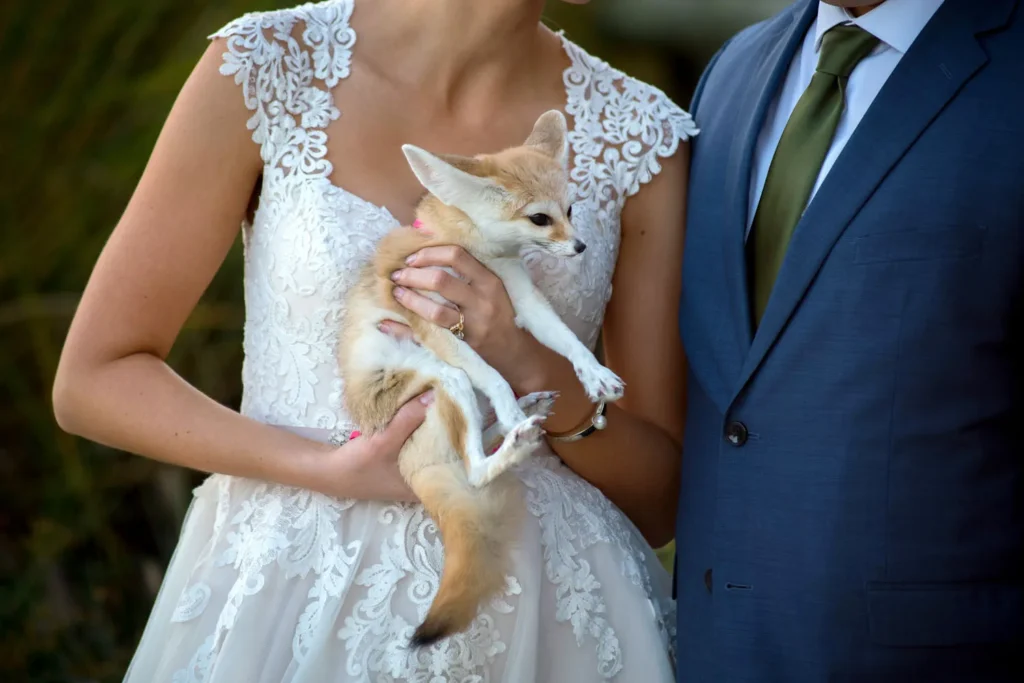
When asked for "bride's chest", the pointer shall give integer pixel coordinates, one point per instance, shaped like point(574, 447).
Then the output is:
point(310, 239)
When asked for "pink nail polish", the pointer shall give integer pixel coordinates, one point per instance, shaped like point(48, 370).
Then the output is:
point(417, 224)
point(427, 398)
point(355, 435)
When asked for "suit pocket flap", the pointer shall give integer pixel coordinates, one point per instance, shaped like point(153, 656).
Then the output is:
point(944, 614)
point(919, 245)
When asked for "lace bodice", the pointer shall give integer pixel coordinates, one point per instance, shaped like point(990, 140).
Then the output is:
point(309, 237)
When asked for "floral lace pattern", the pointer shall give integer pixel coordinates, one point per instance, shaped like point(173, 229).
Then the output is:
point(575, 516)
point(366, 583)
point(621, 127)
point(373, 623)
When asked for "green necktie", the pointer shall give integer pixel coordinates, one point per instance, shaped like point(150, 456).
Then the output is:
point(798, 158)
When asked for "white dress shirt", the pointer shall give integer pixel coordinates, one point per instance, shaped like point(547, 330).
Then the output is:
point(896, 23)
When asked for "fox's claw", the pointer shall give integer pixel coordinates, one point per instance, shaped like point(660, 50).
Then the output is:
point(538, 403)
point(518, 445)
point(525, 436)
point(600, 383)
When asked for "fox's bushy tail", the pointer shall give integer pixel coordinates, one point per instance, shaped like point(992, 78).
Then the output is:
point(474, 525)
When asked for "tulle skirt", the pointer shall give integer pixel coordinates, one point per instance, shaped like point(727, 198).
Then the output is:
point(271, 584)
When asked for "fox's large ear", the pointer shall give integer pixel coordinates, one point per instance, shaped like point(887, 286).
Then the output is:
point(449, 178)
point(550, 135)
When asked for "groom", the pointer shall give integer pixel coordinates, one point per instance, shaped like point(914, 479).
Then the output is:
point(852, 505)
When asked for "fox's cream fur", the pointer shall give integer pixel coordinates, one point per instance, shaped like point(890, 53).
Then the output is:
point(491, 206)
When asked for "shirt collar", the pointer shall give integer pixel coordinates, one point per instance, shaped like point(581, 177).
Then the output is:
point(897, 23)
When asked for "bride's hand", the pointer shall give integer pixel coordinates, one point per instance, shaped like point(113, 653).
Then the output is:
point(372, 460)
point(489, 318)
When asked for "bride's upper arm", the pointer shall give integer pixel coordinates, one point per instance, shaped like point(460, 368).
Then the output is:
point(641, 333)
point(176, 230)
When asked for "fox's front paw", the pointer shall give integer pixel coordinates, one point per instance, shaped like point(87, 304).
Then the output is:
point(538, 403)
point(600, 383)
point(508, 413)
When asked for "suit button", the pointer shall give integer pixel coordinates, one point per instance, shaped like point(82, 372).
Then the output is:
point(708, 580)
point(736, 433)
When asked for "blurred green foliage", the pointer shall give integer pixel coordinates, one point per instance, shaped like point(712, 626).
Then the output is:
point(85, 531)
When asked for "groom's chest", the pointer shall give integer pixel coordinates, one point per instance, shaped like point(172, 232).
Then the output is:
point(939, 232)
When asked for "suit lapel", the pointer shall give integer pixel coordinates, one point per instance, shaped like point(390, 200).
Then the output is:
point(942, 59)
point(769, 65)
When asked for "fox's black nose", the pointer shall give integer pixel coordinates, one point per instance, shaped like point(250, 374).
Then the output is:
point(579, 246)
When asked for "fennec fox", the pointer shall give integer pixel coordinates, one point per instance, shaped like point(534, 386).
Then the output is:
point(492, 206)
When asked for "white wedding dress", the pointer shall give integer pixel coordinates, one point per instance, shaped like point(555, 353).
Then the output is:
point(271, 584)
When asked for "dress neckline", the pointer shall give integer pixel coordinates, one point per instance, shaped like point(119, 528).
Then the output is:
point(570, 76)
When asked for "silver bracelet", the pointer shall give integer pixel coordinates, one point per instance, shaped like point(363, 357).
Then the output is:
point(596, 423)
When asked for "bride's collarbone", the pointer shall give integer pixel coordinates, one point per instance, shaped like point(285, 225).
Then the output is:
point(364, 145)
point(379, 181)
point(367, 161)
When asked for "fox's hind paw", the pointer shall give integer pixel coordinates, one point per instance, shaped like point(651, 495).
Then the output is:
point(538, 403)
point(518, 445)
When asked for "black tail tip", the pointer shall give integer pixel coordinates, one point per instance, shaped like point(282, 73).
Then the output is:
point(428, 634)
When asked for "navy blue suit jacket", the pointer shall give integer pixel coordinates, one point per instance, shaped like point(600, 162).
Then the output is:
point(852, 503)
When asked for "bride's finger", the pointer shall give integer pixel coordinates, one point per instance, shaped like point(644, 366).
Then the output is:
point(439, 314)
point(435, 280)
point(456, 258)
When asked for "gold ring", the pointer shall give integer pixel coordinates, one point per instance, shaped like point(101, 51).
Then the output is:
point(459, 328)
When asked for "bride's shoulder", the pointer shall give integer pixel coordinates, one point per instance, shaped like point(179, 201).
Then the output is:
point(598, 91)
point(312, 39)
point(614, 109)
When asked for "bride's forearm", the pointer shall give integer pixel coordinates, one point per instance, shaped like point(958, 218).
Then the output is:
point(633, 462)
point(138, 404)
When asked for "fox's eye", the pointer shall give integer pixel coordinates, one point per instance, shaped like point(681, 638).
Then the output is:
point(540, 219)
point(568, 214)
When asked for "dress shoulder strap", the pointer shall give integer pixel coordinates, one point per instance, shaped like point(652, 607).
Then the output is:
point(622, 128)
point(287, 62)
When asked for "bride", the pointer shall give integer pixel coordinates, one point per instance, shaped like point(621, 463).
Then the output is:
point(303, 557)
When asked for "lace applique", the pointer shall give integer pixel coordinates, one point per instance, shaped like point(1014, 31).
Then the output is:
point(622, 127)
point(293, 528)
point(574, 516)
point(199, 667)
point(192, 603)
point(277, 72)
point(375, 635)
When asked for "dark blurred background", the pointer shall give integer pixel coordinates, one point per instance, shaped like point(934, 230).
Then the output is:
point(85, 532)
